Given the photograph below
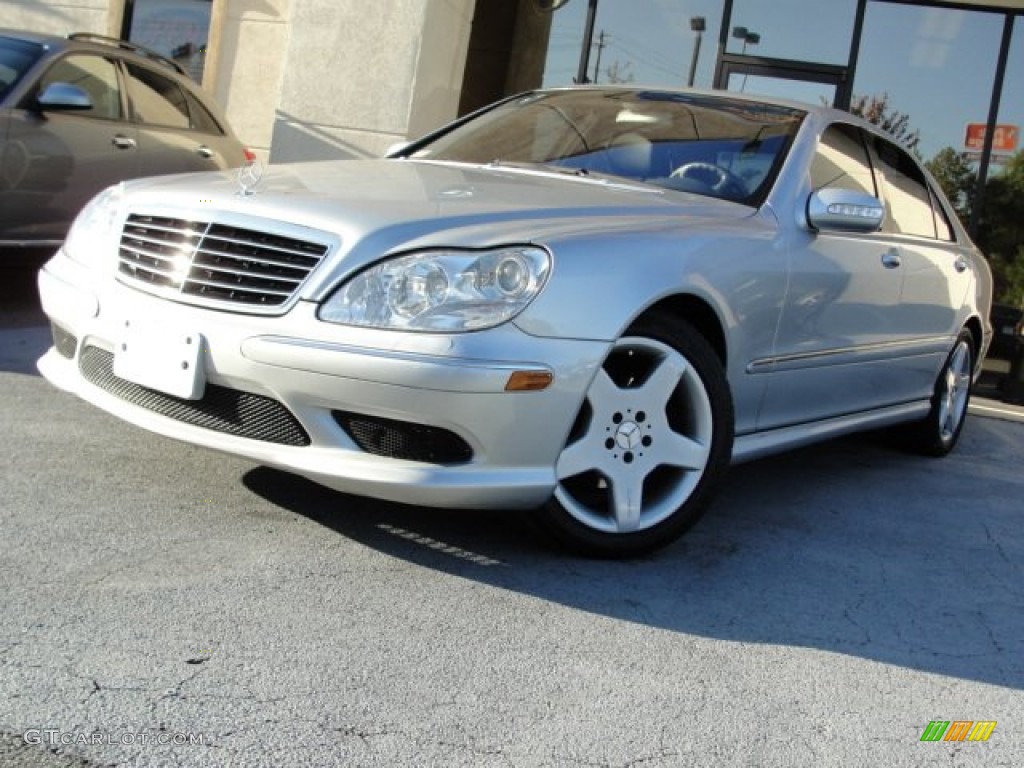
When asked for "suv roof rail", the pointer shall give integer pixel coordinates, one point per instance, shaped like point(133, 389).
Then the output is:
point(128, 46)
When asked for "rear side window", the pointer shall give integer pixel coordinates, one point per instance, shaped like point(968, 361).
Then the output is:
point(200, 117)
point(16, 57)
point(943, 227)
point(155, 99)
point(94, 75)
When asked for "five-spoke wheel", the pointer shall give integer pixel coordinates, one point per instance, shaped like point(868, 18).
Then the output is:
point(653, 433)
point(938, 432)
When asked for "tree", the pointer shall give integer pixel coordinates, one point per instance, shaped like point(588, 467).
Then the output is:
point(877, 110)
point(957, 179)
point(1001, 229)
point(617, 72)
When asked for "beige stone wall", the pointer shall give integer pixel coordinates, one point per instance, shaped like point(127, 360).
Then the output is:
point(61, 17)
point(311, 79)
point(362, 76)
point(245, 64)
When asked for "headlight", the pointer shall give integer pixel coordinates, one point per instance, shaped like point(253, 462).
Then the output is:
point(93, 236)
point(448, 291)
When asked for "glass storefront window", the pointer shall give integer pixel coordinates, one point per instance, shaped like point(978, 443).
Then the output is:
point(809, 30)
point(177, 29)
point(1011, 103)
point(648, 42)
point(934, 65)
point(783, 88)
point(1001, 224)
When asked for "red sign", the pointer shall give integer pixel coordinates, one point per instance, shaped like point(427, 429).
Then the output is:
point(1003, 140)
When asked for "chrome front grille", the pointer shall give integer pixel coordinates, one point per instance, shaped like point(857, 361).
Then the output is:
point(213, 263)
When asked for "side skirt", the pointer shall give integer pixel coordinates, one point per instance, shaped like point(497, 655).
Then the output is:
point(758, 444)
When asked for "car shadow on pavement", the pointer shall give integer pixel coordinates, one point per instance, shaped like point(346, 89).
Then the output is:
point(24, 332)
point(849, 547)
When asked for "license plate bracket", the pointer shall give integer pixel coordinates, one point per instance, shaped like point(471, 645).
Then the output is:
point(167, 360)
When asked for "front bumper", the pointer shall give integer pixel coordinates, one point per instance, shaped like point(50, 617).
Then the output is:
point(313, 371)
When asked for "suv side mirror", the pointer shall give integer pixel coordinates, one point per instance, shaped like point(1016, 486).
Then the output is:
point(64, 96)
point(844, 210)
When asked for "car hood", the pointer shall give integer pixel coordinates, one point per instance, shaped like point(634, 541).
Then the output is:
point(371, 208)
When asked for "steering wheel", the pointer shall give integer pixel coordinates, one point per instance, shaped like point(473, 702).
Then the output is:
point(714, 177)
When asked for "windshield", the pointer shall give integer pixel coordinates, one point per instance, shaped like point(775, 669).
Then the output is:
point(16, 56)
point(718, 146)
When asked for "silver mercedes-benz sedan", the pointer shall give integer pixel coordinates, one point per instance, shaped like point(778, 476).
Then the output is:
point(586, 302)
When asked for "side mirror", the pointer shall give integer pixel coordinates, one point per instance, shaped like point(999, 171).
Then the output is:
point(844, 210)
point(64, 96)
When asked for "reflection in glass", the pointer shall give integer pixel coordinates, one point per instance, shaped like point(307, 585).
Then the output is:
point(647, 41)
point(177, 29)
point(821, 35)
point(916, 56)
point(783, 88)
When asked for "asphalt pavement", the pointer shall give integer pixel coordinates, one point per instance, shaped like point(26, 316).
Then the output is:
point(168, 606)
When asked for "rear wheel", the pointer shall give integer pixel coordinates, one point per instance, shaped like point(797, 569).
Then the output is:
point(938, 432)
point(651, 438)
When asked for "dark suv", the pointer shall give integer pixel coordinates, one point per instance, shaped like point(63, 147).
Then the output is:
point(1006, 329)
point(83, 112)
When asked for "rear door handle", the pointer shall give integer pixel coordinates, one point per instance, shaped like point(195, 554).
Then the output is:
point(960, 265)
point(204, 151)
point(123, 142)
point(891, 259)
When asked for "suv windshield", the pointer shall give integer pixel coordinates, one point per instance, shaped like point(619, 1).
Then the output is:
point(16, 57)
point(728, 148)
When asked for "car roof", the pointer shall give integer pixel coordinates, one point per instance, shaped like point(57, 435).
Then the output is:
point(93, 42)
point(821, 111)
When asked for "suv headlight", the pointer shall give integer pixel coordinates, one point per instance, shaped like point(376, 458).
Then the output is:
point(444, 290)
point(92, 239)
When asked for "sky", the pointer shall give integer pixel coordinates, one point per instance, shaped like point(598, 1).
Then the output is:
point(936, 64)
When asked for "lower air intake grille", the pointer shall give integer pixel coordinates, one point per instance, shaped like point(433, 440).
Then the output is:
point(403, 440)
point(230, 411)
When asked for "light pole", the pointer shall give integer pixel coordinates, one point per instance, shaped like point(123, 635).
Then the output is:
point(744, 34)
point(588, 39)
point(697, 24)
point(748, 37)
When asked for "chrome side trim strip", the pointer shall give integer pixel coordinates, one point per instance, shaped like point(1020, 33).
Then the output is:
point(885, 350)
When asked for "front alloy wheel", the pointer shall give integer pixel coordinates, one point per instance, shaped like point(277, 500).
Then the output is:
point(654, 432)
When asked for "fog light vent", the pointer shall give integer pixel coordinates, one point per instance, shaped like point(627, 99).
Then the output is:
point(65, 343)
point(404, 440)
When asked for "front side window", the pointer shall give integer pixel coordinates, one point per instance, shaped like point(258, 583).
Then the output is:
point(908, 201)
point(841, 161)
point(155, 99)
point(94, 75)
point(688, 142)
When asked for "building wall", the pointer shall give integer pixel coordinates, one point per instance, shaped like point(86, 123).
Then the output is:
point(62, 17)
point(310, 79)
point(246, 62)
point(361, 76)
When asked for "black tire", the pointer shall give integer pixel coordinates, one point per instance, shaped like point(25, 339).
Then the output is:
point(938, 432)
point(651, 440)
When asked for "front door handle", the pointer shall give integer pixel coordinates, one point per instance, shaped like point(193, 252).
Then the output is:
point(891, 259)
point(123, 142)
point(960, 265)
